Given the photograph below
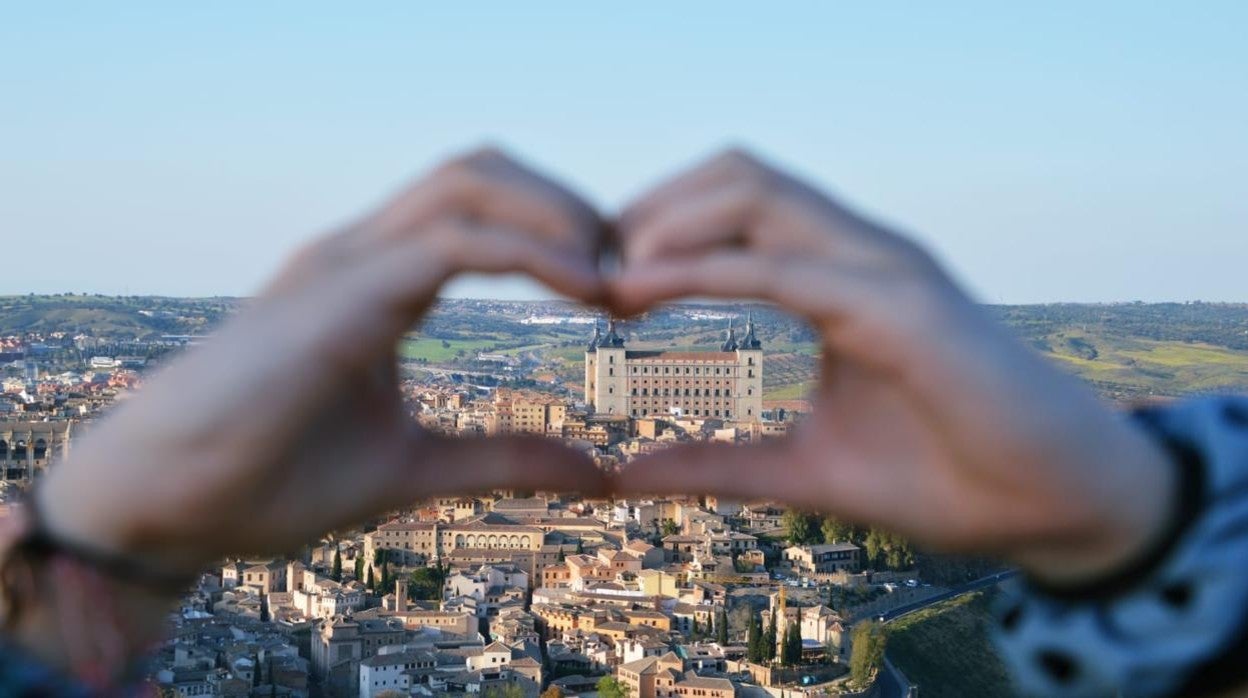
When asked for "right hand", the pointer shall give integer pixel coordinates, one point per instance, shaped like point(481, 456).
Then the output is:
point(929, 418)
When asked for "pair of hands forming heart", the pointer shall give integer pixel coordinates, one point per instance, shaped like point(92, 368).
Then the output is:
point(929, 418)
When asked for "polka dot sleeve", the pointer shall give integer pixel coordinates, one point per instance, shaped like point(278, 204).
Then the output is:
point(1177, 622)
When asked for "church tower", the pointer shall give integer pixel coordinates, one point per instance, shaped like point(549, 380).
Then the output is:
point(610, 375)
point(591, 358)
point(750, 380)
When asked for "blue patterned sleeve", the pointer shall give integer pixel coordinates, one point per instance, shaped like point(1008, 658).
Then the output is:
point(1177, 622)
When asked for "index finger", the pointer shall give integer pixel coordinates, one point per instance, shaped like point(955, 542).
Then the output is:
point(490, 188)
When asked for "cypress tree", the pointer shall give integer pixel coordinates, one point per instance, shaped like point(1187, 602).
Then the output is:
point(770, 637)
point(336, 574)
point(793, 645)
point(754, 641)
point(721, 628)
point(371, 586)
point(783, 656)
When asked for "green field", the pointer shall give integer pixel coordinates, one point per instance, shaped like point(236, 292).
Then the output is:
point(1146, 365)
point(946, 651)
point(436, 350)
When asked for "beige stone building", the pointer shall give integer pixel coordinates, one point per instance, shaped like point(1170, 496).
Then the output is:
point(724, 384)
point(416, 543)
point(527, 413)
point(26, 447)
point(821, 558)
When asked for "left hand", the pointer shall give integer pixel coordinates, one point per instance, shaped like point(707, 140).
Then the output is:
point(288, 422)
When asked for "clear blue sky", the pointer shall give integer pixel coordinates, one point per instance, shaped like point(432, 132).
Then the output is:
point(1068, 151)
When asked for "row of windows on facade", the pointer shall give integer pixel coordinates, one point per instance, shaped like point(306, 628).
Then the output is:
point(749, 361)
point(697, 392)
point(645, 392)
point(727, 414)
point(696, 372)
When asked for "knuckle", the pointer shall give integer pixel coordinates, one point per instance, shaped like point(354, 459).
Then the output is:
point(455, 182)
point(740, 161)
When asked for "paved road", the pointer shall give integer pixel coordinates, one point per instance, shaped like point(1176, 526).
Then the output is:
point(892, 683)
point(990, 580)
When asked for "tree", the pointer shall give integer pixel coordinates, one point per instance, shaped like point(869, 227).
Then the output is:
point(799, 527)
point(792, 645)
point(836, 531)
point(610, 687)
point(870, 639)
point(694, 631)
point(372, 586)
point(887, 549)
point(426, 583)
point(836, 597)
point(336, 573)
point(782, 656)
point(754, 640)
point(552, 692)
point(769, 639)
point(508, 690)
point(670, 528)
point(721, 628)
point(359, 568)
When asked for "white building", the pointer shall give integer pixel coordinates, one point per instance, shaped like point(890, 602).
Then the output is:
point(394, 671)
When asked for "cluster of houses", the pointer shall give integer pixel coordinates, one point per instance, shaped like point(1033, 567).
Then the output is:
point(528, 593)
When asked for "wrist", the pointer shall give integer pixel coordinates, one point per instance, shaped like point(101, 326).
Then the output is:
point(1139, 509)
point(111, 540)
point(68, 615)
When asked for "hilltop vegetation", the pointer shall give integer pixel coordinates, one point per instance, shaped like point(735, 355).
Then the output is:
point(1136, 350)
point(946, 650)
point(113, 317)
point(1127, 351)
